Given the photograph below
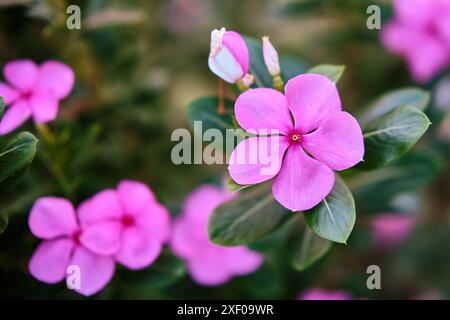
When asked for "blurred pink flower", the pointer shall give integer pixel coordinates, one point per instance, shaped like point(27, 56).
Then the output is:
point(207, 263)
point(320, 127)
point(53, 220)
point(322, 294)
point(420, 32)
point(128, 223)
point(228, 58)
point(33, 91)
point(390, 230)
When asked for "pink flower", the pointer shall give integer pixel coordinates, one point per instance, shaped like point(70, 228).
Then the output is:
point(207, 263)
point(322, 294)
point(128, 223)
point(228, 58)
point(309, 118)
point(390, 230)
point(33, 91)
point(53, 220)
point(420, 32)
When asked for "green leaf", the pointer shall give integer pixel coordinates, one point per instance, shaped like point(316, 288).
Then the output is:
point(291, 67)
point(333, 72)
point(234, 186)
point(3, 223)
point(205, 109)
point(311, 249)
point(247, 218)
point(392, 135)
point(374, 190)
point(2, 107)
point(333, 219)
point(414, 97)
point(257, 66)
point(16, 156)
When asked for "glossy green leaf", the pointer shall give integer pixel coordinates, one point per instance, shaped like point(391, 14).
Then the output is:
point(310, 250)
point(247, 218)
point(257, 66)
point(16, 155)
point(333, 218)
point(414, 97)
point(374, 190)
point(233, 186)
point(389, 137)
point(205, 109)
point(333, 72)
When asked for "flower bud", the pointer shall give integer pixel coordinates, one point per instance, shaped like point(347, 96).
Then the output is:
point(270, 57)
point(228, 58)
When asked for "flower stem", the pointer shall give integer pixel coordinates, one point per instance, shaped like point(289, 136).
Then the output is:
point(240, 84)
point(278, 83)
point(221, 105)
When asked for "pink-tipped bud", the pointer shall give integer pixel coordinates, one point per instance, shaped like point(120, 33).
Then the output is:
point(228, 58)
point(248, 79)
point(270, 57)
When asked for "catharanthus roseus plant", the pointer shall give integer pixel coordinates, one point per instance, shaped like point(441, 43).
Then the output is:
point(302, 139)
point(33, 91)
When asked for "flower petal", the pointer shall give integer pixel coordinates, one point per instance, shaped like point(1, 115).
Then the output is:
point(102, 207)
point(55, 79)
point(14, 116)
point(154, 221)
point(302, 181)
point(102, 238)
point(208, 270)
point(50, 260)
point(21, 74)
point(44, 108)
point(257, 159)
point(338, 142)
point(311, 98)
point(134, 196)
point(238, 48)
point(95, 270)
point(138, 250)
point(242, 261)
point(52, 217)
point(415, 12)
point(8, 93)
point(263, 109)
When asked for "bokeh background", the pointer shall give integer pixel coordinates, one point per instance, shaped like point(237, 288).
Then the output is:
point(139, 63)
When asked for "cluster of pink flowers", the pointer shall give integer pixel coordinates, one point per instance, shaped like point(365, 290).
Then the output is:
point(129, 226)
point(33, 91)
point(126, 225)
point(312, 135)
point(420, 32)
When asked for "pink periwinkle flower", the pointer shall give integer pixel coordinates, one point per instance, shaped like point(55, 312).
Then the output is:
point(207, 263)
point(53, 220)
point(33, 91)
point(390, 230)
point(228, 58)
point(128, 223)
point(323, 294)
point(420, 32)
point(313, 138)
